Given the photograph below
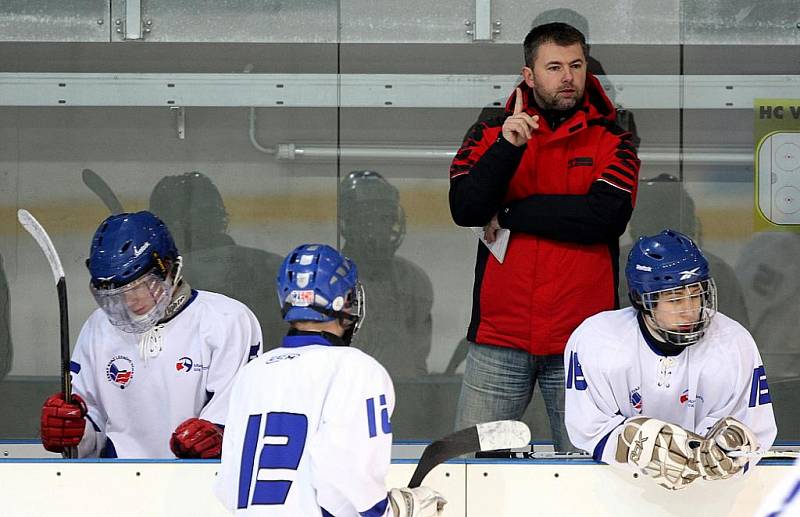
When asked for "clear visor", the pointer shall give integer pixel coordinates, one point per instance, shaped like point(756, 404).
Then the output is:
point(135, 307)
point(682, 315)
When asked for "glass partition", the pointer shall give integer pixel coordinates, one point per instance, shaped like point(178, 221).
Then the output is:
point(750, 49)
point(251, 127)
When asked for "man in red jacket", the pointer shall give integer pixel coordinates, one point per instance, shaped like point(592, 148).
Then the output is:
point(560, 174)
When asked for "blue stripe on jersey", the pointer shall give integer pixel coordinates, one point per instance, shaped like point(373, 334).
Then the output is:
point(74, 367)
point(326, 513)
point(597, 454)
point(96, 428)
point(378, 510)
point(304, 340)
point(109, 451)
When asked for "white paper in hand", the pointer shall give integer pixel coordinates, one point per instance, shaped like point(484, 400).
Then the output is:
point(498, 247)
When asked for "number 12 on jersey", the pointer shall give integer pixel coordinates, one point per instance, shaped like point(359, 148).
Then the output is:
point(285, 439)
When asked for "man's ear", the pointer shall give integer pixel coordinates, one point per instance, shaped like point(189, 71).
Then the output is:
point(527, 76)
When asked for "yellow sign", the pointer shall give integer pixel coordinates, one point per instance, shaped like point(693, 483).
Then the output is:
point(777, 164)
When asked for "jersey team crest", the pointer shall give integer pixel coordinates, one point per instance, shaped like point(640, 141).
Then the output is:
point(119, 371)
point(184, 364)
point(636, 400)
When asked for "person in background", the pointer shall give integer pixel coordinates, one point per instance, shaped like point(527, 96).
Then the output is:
point(193, 209)
point(663, 202)
point(373, 225)
point(561, 175)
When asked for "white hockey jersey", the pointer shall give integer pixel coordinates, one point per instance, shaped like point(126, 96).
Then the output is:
point(614, 374)
point(134, 404)
point(308, 433)
point(784, 500)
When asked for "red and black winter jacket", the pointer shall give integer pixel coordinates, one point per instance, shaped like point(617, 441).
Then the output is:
point(566, 196)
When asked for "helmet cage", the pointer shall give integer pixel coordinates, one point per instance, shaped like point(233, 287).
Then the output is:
point(705, 291)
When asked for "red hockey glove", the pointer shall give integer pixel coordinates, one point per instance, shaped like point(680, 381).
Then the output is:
point(197, 438)
point(62, 422)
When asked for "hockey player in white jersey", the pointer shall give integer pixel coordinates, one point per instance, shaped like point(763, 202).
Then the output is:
point(669, 386)
point(309, 430)
point(153, 366)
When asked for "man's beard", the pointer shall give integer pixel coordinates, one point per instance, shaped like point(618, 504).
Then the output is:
point(554, 102)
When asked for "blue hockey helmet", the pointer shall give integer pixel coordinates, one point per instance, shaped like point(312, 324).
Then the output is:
point(134, 266)
point(125, 246)
point(665, 263)
point(317, 283)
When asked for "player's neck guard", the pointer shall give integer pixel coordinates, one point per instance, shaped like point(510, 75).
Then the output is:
point(333, 339)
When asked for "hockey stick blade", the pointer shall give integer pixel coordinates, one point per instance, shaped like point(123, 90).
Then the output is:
point(98, 185)
point(501, 434)
point(41, 237)
point(37, 231)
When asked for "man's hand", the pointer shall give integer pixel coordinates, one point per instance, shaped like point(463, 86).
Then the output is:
point(416, 502)
point(196, 438)
point(62, 422)
point(490, 230)
point(519, 127)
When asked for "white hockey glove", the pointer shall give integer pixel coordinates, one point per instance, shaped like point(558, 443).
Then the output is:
point(660, 449)
point(727, 435)
point(416, 502)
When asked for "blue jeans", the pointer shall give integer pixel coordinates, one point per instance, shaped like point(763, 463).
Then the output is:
point(498, 385)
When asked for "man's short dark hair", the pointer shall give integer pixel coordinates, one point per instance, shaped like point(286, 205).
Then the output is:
point(562, 34)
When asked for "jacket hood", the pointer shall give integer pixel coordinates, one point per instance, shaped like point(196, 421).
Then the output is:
point(595, 102)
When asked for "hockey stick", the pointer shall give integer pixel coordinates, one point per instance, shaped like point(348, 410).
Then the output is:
point(38, 232)
point(501, 434)
point(97, 185)
point(762, 453)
